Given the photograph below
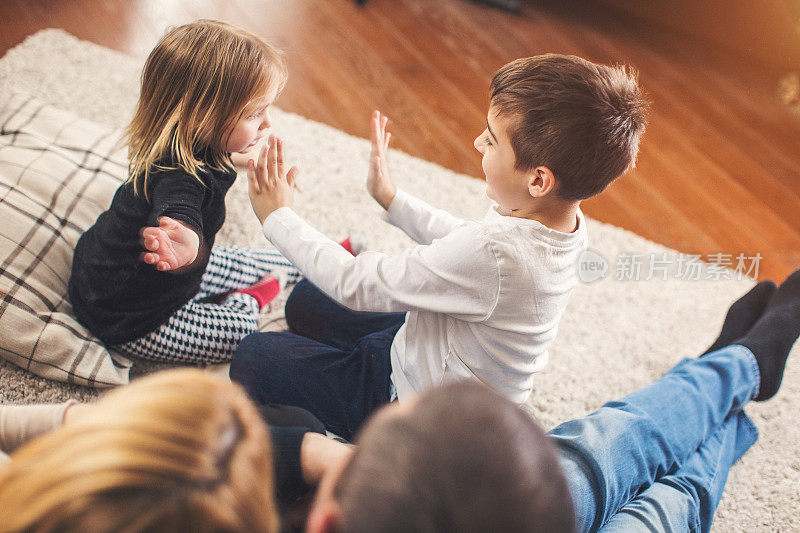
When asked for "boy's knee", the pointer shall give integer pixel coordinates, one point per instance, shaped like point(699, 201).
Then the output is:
point(300, 300)
point(245, 363)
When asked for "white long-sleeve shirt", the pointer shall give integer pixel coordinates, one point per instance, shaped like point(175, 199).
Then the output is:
point(483, 299)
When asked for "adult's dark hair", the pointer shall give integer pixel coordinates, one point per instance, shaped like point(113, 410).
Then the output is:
point(581, 120)
point(465, 460)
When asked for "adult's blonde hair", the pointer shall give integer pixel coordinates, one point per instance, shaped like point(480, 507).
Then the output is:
point(178, 451)
point(198, 81)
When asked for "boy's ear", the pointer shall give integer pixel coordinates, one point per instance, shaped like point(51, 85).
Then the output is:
point(541, 181)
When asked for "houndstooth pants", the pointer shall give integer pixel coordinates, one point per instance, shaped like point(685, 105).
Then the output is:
point(202, 332)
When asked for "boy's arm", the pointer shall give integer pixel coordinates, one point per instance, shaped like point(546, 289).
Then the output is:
point(419, 220)
point(456, 275)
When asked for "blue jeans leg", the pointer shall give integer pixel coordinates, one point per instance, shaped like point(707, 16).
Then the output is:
point(340, 387)
point(315, 315)
point(626, 445)
point(688, 499)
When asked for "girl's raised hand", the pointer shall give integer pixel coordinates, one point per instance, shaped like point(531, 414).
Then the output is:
point(171, 245)
point(270, 186)
point(379, 184)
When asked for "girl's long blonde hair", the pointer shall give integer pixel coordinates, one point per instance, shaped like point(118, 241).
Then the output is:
point(177, 451)
point(196, 84)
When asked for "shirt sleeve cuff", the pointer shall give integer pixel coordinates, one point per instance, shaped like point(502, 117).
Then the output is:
point(193, 222)
point(276, 219)
point(395, 211)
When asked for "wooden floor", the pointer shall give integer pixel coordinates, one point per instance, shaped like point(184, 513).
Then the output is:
point(719, 170)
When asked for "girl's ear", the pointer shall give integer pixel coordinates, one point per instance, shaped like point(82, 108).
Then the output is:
point(541, 181)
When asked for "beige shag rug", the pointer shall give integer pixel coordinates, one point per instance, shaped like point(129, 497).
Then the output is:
point(615, 336)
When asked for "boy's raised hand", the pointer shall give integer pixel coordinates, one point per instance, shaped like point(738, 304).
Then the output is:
point(171, 245)
point(379, 184)
point(270, 186)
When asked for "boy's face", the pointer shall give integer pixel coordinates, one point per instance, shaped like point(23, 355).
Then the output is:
point(505, 184)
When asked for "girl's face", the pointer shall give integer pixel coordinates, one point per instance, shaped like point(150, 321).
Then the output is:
point(249, 129)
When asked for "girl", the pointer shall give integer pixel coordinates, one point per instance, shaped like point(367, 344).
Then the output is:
point(205, 92)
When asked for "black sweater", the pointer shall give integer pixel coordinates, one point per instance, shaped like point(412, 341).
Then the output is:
point(117, 296)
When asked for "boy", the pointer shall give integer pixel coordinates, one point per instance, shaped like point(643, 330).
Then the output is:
point(475, 300)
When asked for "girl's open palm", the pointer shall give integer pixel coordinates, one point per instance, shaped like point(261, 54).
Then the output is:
point(171, 245)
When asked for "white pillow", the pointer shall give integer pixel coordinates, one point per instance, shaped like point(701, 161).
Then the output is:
point(58, 172)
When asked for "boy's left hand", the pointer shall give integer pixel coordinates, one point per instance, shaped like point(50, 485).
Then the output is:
point(270, 186)
point(379, 184)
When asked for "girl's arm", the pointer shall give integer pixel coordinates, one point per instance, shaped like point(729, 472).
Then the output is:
point(172, 246)
point(173, 239)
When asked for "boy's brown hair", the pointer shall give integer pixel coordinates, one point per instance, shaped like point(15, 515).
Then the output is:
point(581, 120)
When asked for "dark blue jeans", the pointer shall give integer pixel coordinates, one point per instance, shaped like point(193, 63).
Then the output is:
point(335, 362)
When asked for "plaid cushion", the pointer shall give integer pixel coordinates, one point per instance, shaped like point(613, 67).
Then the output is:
point(57, 174)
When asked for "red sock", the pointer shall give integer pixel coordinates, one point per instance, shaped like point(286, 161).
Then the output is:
point(347, 245)
point(264, 291)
